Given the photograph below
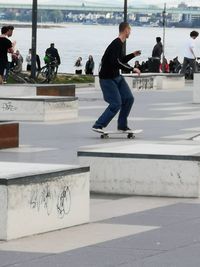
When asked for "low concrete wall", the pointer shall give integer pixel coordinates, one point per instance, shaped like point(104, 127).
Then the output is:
point(12, 90)
point(9, 134)
point(39, 108)
point(37, 198)
point(144, 169)
point(149, 81)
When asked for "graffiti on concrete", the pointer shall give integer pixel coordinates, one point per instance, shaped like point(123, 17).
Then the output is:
point(64, 202)
point(49, 199)
point(143, 83)
point(8, 106)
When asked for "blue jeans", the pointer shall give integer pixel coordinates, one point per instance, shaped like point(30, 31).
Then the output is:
point(118, 95)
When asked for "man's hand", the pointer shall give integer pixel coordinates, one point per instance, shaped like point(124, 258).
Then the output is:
point(137, 53)
point(136, 70)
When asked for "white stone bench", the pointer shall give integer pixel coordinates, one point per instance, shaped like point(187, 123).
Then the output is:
point(149, 81)
point(38, 108)
point(143, 169)
point(13, 90)
point(37, 198)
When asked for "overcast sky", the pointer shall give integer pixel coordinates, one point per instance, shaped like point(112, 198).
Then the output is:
point(132, 2)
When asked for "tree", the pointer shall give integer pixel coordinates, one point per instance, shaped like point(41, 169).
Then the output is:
point(56, 16)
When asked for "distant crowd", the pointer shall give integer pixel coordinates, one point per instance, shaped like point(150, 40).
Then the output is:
point(157, 62)
point(12, 60)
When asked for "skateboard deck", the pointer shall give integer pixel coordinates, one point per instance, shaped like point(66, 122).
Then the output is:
point(130, 134)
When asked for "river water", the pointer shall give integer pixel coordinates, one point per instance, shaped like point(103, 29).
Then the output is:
point(74, 40)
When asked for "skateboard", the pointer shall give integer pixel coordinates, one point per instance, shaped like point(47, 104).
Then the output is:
point(130, 134)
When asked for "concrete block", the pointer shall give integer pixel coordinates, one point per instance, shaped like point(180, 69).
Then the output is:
point(9, 134)
point(147, 81)
point(144, 169)
point(37, 198)
point(196, 88)
point(38, 108)
point(172, 81)
point(12, 90)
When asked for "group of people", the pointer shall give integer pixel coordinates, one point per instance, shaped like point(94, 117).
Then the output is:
point(156, 63)
point(174, 65)
point(51, 56)
point(89, 66)
point(11, 58)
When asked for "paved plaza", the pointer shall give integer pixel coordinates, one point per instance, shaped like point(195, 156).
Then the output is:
point(125, 231)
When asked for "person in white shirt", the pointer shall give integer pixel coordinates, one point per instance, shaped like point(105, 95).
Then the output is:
point(78, 66)
point(189, 53)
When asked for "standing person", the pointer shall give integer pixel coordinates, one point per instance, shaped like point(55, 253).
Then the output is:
point(5, 47)
point(8, 34)
point(38, 62)
point(28, 60)
point(189, 53)
point(116, 91)
point(53, 54)
point(137, 65)
point(78, 66)
point(89, 66)
point(154, 64)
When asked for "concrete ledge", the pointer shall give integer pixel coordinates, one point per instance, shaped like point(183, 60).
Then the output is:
point(37, 198)
point(155, 81)
point(38, 108)
point(144, 169)
point(12, 90)
point(149, 81)
point(9, 134)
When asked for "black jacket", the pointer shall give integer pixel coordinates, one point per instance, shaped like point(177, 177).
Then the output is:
point(113, 60)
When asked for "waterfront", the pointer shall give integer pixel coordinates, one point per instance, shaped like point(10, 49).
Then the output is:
point(74, 40)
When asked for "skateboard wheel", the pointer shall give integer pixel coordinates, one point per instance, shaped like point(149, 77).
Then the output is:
point(131, 136)
point(104, 136)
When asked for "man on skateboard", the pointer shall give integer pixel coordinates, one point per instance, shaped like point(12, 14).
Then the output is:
point(116, 91)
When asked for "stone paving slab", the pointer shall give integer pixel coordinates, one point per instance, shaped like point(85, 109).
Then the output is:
point(162, 216)
point(8, 258)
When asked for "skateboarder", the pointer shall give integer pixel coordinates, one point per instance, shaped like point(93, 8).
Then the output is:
point(116, 91)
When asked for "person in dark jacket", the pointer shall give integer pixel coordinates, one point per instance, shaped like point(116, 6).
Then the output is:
point(154, 64)
point(5, 47)
point(53, 54)
point(89, 66)
point(116, 91)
